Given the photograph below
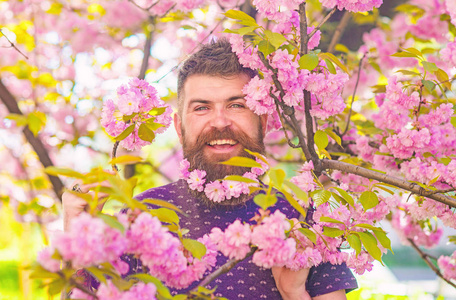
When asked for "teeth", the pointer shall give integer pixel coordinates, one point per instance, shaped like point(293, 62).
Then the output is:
point(222, 142)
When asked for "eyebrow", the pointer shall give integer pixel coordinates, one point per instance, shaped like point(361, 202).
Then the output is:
point(203, 101)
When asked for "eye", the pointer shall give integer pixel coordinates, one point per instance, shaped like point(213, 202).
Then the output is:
point(201, 108)
point(237, 105)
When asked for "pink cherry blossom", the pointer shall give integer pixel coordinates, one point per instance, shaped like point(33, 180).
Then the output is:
point(449, 53)
point(196, 180)
point(447, 265)
point(215, 191)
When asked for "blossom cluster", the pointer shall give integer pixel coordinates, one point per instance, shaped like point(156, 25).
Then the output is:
point(305, 180)
point(90, 242)
point(352, 5)
point(449, 53)
point(138, 105)
point(220, 190)
point(108, 291)
point(447, 265)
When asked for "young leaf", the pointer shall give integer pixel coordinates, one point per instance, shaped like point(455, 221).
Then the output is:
point(196, 248)
point(240, 179)
point(320, 196)
point(330, 220)
point(112, 222)
point(429, 85)
point(275, 38)
point(55, 171)
point(147, 278)
point(165, 215)
point(414, 51)
point(145, 133)
point(370, 244)
point(309, 234)
point(332, 232)
point(330, 66)
point(125, 159)
point(334, 136)
point(240, 161)
point(265, 201)
point(368, 199)
point(246, 30)
point(334, 59)
point(404, 54)
point(152, 125)
point(125, 133)
point(383, 239)
point(308, 61)
point(19, 119)
point(97, 273)
point(354, 242)
point(341, 48)
point(294, 203)
point(266, 48)
point(429, 66)
point(297, 191)
point(241, 16)
point(321, 139)
point(277, 177)
point(157, 111)
point(346, 196)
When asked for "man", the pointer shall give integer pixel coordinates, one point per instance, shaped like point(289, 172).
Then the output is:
point(213, 124)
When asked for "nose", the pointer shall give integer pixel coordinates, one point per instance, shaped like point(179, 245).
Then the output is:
point(220, 119)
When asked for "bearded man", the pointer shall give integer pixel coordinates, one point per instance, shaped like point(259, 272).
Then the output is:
point(214, 124)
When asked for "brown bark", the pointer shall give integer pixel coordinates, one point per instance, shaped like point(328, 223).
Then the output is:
point(11, 104)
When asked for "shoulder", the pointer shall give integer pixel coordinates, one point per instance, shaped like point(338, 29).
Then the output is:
point(164, 192)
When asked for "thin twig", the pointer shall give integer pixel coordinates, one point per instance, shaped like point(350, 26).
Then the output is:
point(425, 257)
point(339, 31)
point(322, 22)
point(13, 45)
point(222, 270)
point(353, 97)
point(114, 153)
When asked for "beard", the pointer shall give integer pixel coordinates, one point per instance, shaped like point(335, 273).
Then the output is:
point(198, 159)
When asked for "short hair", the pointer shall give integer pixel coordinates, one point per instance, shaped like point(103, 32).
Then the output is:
point(214, 59)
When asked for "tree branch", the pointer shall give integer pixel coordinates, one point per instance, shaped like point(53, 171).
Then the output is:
point(353, 96)
point(326, 164)
point(303, 29)
point(339, 31)
point(222, 270)
point(11, 105)
point(426, 259)
point(13, 45)
point(322, 22)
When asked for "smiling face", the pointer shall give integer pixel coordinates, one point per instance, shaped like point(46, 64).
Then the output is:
point(215, 122)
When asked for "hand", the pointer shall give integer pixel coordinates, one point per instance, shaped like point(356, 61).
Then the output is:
point(291, 284)
point(73, 205)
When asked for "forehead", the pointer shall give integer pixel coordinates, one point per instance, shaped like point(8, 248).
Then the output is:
point(213, 88)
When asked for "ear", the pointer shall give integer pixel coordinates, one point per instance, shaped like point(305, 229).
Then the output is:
point(264, 123)
point(178, 126)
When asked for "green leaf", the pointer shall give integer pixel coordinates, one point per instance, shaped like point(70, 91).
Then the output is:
point(429, 85)
point(125, 133)
point(429, 66)
point(321, 139)
point(334, 136)
point(241, 16)
point(320, 196)
point(445, 160)
point(383, 239)
point(275, 38)
point(197, 249)
point(20, 120)
point(453, 121)
point(308, 61)
point(339, 198)
point(330, 220)
point(112, 222)
point(414, 51)
point(266, 48)
point(145, 133)
point(36, 120)
point(188, 27)
point(157, 111)
point(257, 155)
point(443, 78)
point(153, 125)
point(297, 191)
point(309, 234)
point(125, 159)
point(240, 161)
point(407, 72)
point(341, 48)
point(97, 273)
point(368, 200)
point(332, 232)
point(367, 226)
point(55, 171)
point(147, 278)
point(404, 54)
point(370, 244)
point(384, 189)
point(334, 59)
point(346, 196)
point(38, 272)
point(127, 118)
point(354, 242)
point(265, 201)
point(277, 177)
point(56, 286)
point(294, 203)
point(330, 66)
point(240, 179)
point(165, 215)
point(246, 30)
